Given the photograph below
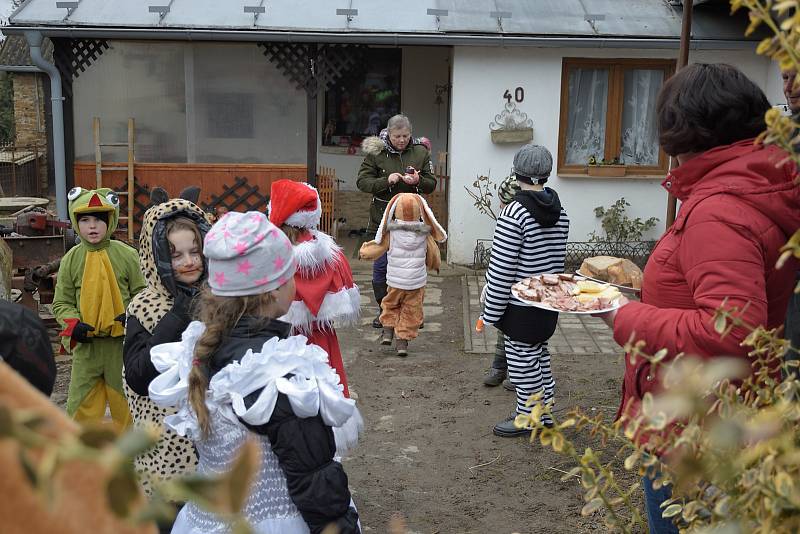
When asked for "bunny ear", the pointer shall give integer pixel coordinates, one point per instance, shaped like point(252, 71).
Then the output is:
point(437, 232)
point(387, 216)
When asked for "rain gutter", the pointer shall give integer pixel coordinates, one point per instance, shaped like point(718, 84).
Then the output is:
point(395, 39)
point(35, 38)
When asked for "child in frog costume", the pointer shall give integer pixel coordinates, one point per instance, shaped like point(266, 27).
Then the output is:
point(96, 281)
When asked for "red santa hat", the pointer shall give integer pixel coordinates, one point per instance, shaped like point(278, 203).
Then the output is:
point(294, 203)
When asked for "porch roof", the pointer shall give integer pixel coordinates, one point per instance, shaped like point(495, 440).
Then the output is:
point(373, 21)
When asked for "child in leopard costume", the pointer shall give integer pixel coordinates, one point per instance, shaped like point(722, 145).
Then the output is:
point(170, 248)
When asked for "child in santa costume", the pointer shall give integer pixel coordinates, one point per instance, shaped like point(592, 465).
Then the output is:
point(326, 294)
point(408, 235)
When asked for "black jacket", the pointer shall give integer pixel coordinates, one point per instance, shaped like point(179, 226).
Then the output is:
point(305, 447)
point(139, 368)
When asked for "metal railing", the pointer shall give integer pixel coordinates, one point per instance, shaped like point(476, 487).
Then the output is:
point(577, 251)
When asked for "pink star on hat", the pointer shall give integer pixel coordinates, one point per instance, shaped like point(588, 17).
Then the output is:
point(219, 278)
point(278, 263)
point(261, 281)
point(259, 238)
point(255, 217)
point(241, 248)
point(244, 267)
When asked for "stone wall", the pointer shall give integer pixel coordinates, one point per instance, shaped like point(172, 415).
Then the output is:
point(354, 207)
point(30, 120)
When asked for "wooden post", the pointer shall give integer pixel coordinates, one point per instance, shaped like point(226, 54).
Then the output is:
point(131, 199)
point(98, 154)
point(683, 60)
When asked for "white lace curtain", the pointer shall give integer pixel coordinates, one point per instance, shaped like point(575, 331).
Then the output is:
point(586, 124)
point(639, 133)
point(588, 104)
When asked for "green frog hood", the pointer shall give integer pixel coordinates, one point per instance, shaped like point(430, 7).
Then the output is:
point(103, 200)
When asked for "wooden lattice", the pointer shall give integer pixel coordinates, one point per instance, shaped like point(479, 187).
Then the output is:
point(241, 196)
point(313, 67)
point(326, 186)
point(74, 56)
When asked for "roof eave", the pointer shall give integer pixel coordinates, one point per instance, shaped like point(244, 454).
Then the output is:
point(375, 38)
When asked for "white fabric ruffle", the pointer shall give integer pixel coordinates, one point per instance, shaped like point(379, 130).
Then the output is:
point(313, 389)
point(317, 254)
point(342, 308)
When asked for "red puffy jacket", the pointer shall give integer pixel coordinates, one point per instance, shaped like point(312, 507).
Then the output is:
point(739, 205)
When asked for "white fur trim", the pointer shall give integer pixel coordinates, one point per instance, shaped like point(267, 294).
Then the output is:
point(306, 219)
point(342, 308)
point(372, 145)
point(316, 254)
point(346, 435)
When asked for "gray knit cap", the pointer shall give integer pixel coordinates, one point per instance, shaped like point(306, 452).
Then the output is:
point(533, 162)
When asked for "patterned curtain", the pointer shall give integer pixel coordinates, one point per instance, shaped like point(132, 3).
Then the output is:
point(586, 126)
point(639, 133)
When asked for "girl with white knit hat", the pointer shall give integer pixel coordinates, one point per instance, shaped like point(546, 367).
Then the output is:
point(238, 374)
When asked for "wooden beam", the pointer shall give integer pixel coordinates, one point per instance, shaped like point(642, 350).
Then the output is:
point(683, 60)
point(312, 88)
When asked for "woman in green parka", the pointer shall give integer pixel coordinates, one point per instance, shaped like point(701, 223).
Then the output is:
point(383, 174)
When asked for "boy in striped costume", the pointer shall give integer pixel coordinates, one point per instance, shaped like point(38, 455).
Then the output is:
point(530, 238)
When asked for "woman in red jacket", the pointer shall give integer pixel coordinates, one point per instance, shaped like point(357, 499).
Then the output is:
point(739, 205)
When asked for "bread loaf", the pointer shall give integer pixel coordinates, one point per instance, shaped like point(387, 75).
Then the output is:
point(619, 271)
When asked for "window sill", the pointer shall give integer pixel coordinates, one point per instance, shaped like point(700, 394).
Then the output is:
point(626, 177)
point(340, 150)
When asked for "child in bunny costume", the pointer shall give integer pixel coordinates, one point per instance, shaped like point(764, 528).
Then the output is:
point(409, 234)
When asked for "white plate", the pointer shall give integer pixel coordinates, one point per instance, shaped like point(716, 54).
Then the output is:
point(624, 289)
point(533, 304)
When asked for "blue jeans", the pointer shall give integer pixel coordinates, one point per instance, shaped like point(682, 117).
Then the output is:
point(379, 269)
point(652, 501)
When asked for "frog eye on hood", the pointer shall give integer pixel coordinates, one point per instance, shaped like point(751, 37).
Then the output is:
point(113, 199)
point(74, 193)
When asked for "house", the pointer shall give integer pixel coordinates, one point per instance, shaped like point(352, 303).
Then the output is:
point(24, 166)
point(283, 87)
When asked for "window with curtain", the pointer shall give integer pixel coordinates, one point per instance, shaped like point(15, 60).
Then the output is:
point(608, 114)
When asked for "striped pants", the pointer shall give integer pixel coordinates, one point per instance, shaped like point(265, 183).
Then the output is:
point(529, 371)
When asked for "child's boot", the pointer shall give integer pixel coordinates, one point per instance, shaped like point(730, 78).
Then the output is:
point(402, 347)
point(388, 335)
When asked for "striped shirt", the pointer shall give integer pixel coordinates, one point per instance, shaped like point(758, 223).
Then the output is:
point(521, 248)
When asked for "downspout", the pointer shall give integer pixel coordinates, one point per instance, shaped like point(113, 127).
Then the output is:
point(35, 39)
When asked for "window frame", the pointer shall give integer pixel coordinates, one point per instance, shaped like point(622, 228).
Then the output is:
point(324, 111)
point(614, 110)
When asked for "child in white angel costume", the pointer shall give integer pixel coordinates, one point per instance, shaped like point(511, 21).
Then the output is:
point(237, 374)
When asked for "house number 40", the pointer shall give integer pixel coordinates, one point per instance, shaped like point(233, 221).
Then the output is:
point(519, 95)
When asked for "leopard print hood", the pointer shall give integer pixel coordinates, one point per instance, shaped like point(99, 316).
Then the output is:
point(151, 304)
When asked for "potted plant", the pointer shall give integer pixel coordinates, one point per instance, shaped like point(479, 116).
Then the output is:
point(604, 167)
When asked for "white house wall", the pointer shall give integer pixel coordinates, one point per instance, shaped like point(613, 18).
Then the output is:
point(423, 69)
point(480, 77)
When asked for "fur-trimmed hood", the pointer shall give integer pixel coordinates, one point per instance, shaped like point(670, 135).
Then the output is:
point(372, 145)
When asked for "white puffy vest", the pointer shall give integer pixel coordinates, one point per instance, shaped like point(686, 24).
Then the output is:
point(406, 266)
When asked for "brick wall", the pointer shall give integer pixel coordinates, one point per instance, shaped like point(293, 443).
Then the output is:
point(29, 118)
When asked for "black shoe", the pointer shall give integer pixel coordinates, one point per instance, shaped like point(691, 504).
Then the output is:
point(507, 429)
point(508, 385)
point(376, 322)
point(494, 377)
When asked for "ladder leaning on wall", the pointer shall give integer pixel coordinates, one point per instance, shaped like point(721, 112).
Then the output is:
point(99, 168)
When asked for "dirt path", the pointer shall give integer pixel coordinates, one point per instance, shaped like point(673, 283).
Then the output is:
point(429, 452)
